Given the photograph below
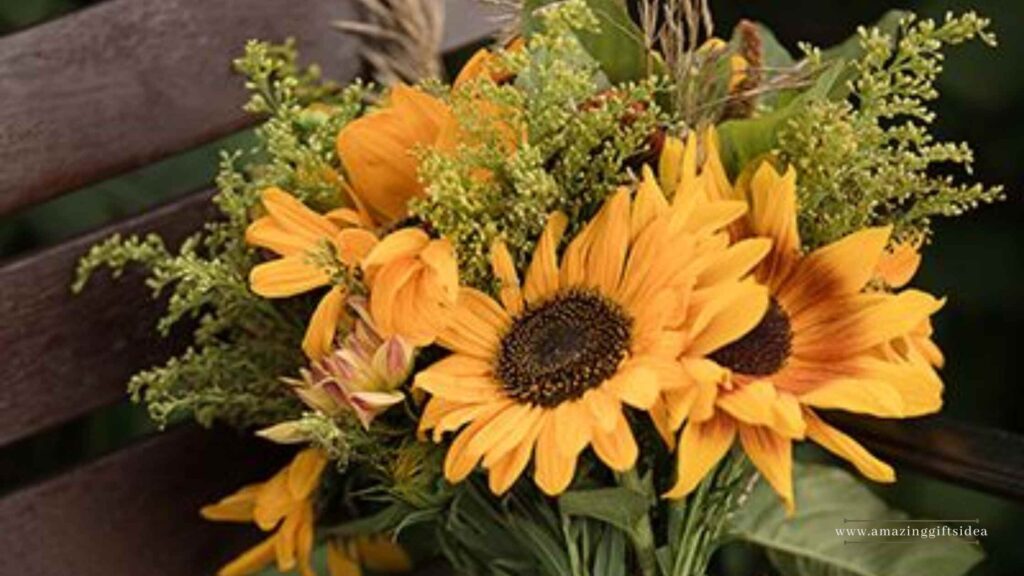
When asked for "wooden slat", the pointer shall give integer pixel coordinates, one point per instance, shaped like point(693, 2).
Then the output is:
point(64, 355)
point(136, 511)
point(121, 84)
point(983, 458)
point(114, 87)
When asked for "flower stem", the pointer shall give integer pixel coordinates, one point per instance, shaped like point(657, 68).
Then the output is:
point(642, 536)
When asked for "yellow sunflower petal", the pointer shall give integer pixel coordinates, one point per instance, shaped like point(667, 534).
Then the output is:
point(353, 244)
point(603, 407)
point(475, 325)
point(266, 233)
point(701, 446)
point(736, 262)
point(293, 216)
point(617, 448)
point(459, 462)
point(843, 267)
point(649, 204)
point(404, 243)
point(286, 277)
point(465, 389)
point(273, 502)
point(636, 385)
point(542, 275)
point(773, 456)
point(670, 162)
point(750, 403)
point(553, 469)
point(304, 472)
point(505, 271)
point(237, 507)
point(503, 473)
point(572, 426)
point(743, 312)
point(847, 448)
point(324, 324)
point(607, 255)
point(862, 396)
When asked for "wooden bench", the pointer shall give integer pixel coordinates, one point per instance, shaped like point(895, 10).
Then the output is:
point(111, 89)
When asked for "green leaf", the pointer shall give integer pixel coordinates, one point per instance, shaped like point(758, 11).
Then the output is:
point(619, 47)
point(808, 544)
point(850, 50)
point(746, 139)
point(620, 507)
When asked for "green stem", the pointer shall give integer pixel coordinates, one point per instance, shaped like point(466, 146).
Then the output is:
point(641, 535)
point(707, 511)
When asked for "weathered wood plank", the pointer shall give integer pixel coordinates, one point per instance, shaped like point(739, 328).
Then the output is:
point(65, 355)
point(136, 511)
point(984, 458)
point(121, 84)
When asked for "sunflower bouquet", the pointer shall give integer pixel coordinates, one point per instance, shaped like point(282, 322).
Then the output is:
point(571, 313)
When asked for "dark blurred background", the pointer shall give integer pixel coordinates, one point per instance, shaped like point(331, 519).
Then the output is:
point(975, 260)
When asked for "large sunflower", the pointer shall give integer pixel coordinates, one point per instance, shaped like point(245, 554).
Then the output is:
point(546, 373)
point(825, 342)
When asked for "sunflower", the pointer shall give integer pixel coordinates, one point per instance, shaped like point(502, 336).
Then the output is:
point(546, 373)
point(378, 151)
point(413, 281)
point(283, 504)
point(315, 250)
point(823, 343)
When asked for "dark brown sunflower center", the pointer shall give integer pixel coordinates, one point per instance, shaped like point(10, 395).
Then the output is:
point(763, 350)
point(563, 347)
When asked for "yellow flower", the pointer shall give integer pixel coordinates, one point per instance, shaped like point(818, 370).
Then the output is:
point(283, 504)
point(485, 64)
point(413, 282)
point(545, 373)
point(313, 249)
point(818, 346)
point(380, 554)
point(378, 151)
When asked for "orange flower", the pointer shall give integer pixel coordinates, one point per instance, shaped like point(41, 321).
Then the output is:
point(824, 344)
point(314, 250)
point(413, 282)
point(485, 64)
point(283, 504)
point(378, 151)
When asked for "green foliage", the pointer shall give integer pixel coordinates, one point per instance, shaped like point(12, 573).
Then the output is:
point(241, 343)
point(522, 533)
point(869, 159)
point(611, 38)
point(573, 143)
point(807, 543)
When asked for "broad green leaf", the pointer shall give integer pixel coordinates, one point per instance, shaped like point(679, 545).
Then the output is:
point(808, 545)
point(619, 47)
point(746, 139)
point(620, 507)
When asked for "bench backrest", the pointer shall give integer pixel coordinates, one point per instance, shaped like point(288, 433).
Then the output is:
point(110, 89)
